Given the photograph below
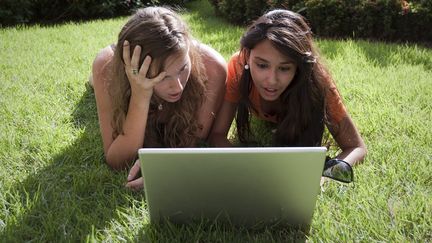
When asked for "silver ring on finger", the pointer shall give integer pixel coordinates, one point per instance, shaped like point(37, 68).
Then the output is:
point(134, 71)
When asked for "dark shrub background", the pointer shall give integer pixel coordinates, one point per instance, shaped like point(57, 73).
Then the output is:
point(14, 12)
point(391, 20)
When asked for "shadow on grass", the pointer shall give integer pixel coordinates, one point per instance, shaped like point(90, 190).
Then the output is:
point(77, 196)
point(71, 196)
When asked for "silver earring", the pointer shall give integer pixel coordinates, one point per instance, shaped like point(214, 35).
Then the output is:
point(246, 67)
point(160, 107)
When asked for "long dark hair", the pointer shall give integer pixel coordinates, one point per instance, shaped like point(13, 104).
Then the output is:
point(161, 33)
point(302, 118)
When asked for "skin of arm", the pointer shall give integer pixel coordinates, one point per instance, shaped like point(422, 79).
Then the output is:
point(121, 150)
point(216, 72)
point(349, 140)
point(101, 79)
point(219, 134)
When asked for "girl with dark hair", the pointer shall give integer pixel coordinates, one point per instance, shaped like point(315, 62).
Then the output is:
point(157, 87)
point(279, 78)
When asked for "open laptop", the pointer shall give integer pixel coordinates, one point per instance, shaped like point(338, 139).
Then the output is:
point(247, 186)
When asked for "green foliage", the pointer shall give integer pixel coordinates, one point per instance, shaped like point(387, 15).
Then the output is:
point(52, 11)
point(254, 9)
point(375, 19)
point(332, 16)
point(294, 5)
point(240, 11)
point(170, 2)
point(414, 24)
point(233, 10)
point(378, 19)
point(15, 11)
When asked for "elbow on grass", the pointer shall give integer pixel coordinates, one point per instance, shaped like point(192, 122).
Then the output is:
point(219, 140)
point(116, 163)
point(363, 151)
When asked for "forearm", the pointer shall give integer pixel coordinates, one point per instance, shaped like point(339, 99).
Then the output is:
point(123, 149)
point(222, 124)
point(349, 140)
point(353, 155)
point(219, 140)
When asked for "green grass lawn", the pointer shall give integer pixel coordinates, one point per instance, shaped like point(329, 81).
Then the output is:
point(55, 186)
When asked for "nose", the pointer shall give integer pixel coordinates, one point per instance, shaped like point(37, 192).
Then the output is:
point(272, 77)
point(176, 85)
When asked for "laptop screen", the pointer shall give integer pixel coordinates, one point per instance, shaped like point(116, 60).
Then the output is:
point(245, 186)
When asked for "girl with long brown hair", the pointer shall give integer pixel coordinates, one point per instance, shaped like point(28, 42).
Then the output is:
point(278, 77)
point(157, 87)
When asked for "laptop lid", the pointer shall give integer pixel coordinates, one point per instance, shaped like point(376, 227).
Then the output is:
point(244, 186)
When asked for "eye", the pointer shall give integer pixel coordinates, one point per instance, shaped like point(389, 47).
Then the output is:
point(166, 78)
point(261, 65)
point(285, 69)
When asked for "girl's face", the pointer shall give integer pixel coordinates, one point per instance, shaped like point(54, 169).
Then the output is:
point(271, 71)
point(177, 68)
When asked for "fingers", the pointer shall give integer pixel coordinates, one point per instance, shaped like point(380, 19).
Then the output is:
point(145, 66)
point(160, 76)
point(133, 182)
point(131, 63)
point(134, 171)
point(135, 57)
point(126, 53)
point(136, 185)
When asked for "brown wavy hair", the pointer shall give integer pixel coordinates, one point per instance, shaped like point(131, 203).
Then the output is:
point(301, 122)
point(161, 33)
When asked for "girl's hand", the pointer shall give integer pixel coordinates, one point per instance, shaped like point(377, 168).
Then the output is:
point(134, 179)
point(140, 84)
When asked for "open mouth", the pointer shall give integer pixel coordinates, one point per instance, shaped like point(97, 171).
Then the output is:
point(270, 91)
point(175, 96)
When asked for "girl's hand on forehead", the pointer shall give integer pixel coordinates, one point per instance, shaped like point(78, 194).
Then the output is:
point(140, 84)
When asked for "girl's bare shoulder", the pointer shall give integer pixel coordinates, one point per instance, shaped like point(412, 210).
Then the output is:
point(103, 57)
point(101, 69)
point(214, 64)
point(210, 56)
